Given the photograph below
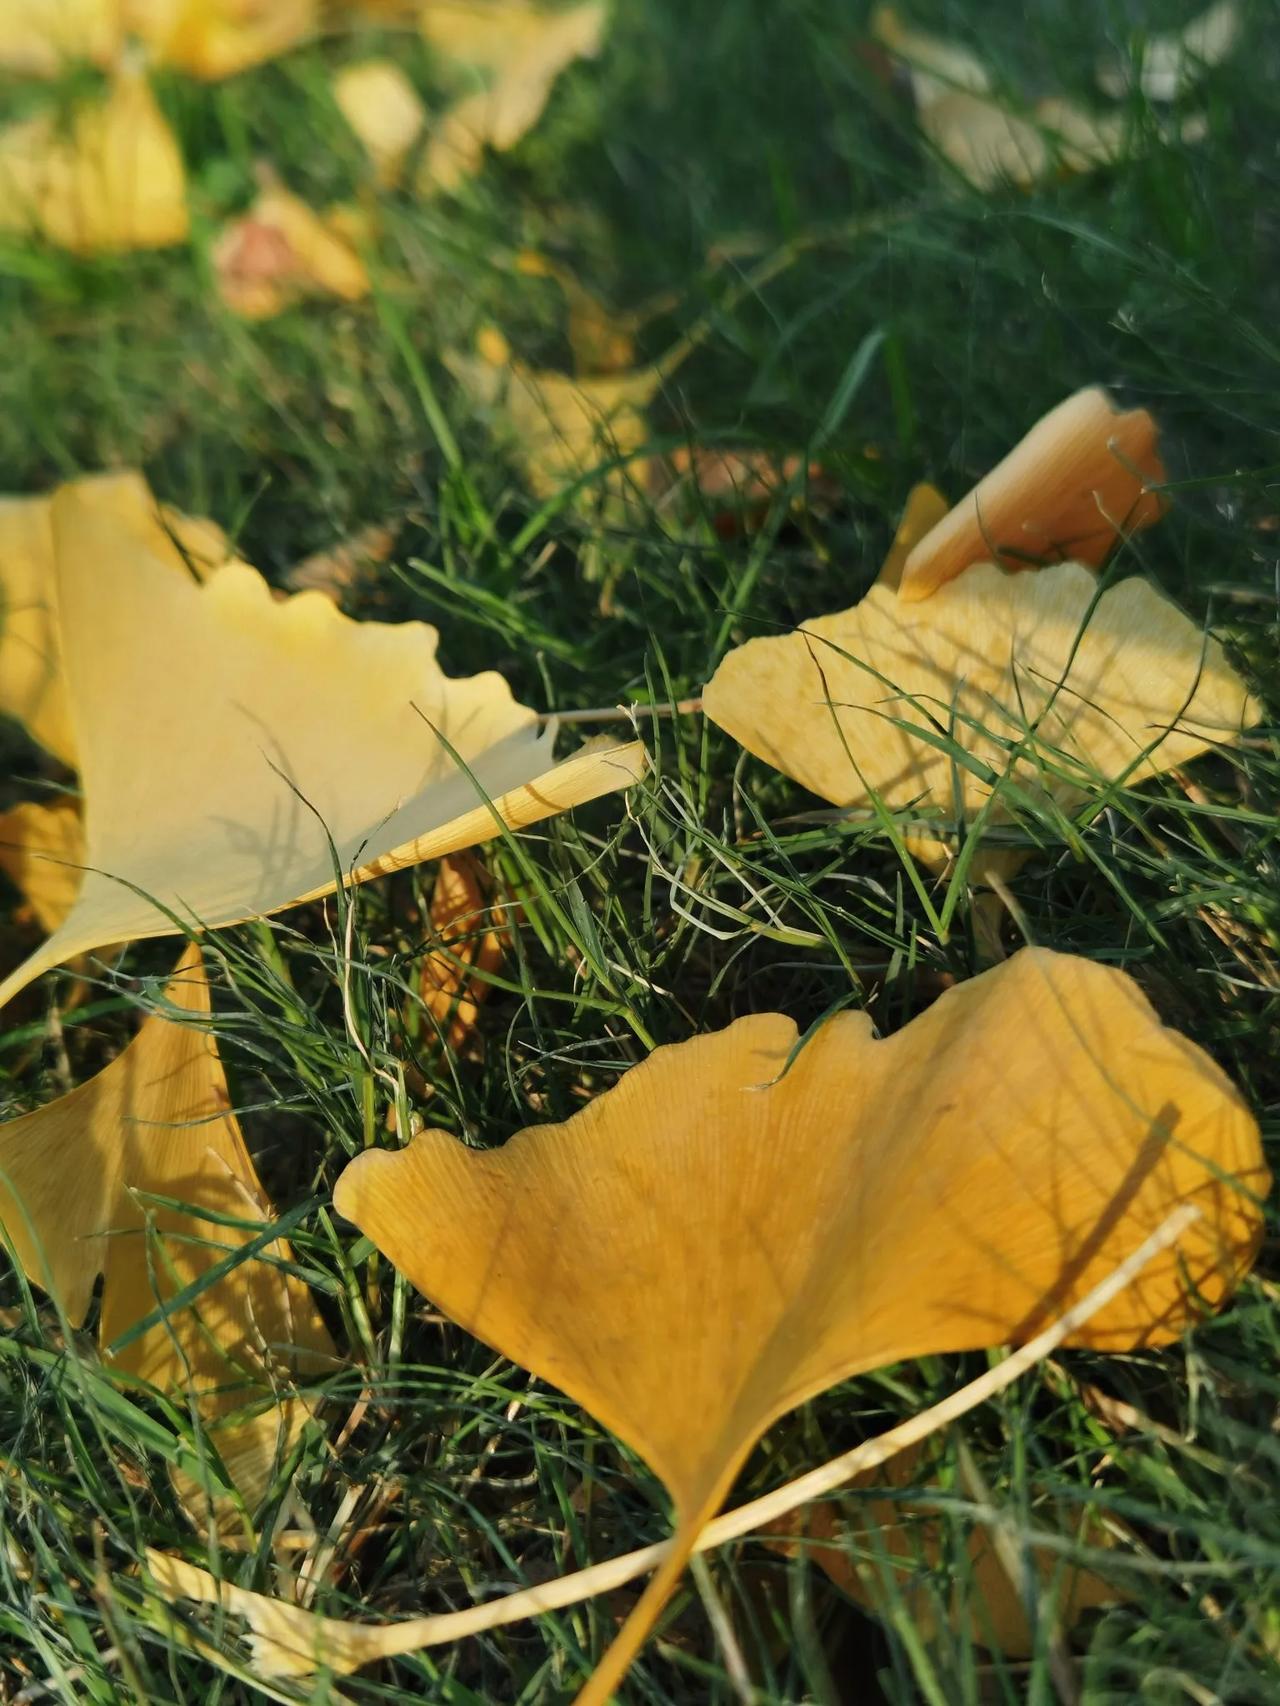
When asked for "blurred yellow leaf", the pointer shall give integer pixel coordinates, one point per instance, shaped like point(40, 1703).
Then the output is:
point(740, 1223)
point(39, 37)
point(110, 179)
point(42, 854)
point(240, 754)
point(1171, 63)
point(282, 250)
point(561, 428)
point(1080, 481)
point(1034, 675)
point(382, 106)
point(74, 1178)
point(521, 50)
point(212, 39)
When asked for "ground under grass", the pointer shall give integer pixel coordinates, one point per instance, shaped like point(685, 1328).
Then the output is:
point(751, 171)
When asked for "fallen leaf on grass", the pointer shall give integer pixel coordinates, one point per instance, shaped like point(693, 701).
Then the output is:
point(42, 854)
point(39, 38)
point(925, 508)
point(737, 488)
point(1172, 63)
point(1050, 690)
point(212, 39)
point(561, 428)
point(239, 755)
point(601, 341)
point(74, 1177)
point(31, 684)
point(736, 1226)
point(521, 50)
point(858, 1543)
point(109, 180)
point(337, 570)
point(1077, 484)
point(281, 251)
point(383, 108)
point(472, 935)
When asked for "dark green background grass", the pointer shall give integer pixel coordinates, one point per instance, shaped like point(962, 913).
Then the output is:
point(910, 328)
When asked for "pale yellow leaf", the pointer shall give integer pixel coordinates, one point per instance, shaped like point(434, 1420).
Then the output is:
point(39, 38)
point(1035, 675)
point(384, 110)
point(280, 251)
point(110, 179)
point(212, 39)
point(1172, 63)
point(240, 754)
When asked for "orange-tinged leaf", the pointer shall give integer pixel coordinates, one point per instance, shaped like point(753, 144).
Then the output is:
point(1040, 679)
point(736, 1225)
point(1081, 480)
point(472, 936)
point(73, 1180)
point(384, 110)
point(282, 250)
point(111, 180)
point(42, 854)
point(238, 755)
point(212, 39)
point(522, 50)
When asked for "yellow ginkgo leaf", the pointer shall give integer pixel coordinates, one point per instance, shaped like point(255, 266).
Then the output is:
point(1172, 63)
point(75, 1178)
point(1043, 684)
point(522, 50)
point(383, 108)
point(42, 854)
point(111, 179)
point(925, 508)
point(1077, 483)
point(212, 39)
point(39, 38)
point(741, 1222)
point(31, 684)
point(282, 250)
point(860, 1543)
point(562, 428)
point(240, 754)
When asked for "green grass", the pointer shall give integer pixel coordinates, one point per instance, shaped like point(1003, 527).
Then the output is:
point(910, 328)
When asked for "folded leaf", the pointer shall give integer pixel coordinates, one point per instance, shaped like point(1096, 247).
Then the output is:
point(74, 1177)
point(737, 1225)
point(110, 180)
point(925, 508)
point(383, 108)
point(238, 754)
point(1079, 481)
point(1038, 679)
